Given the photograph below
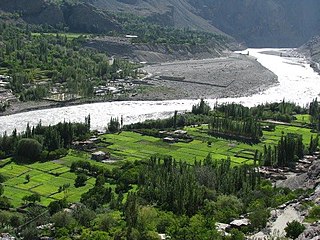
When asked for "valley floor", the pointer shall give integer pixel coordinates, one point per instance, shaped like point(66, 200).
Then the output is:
point(233, 76)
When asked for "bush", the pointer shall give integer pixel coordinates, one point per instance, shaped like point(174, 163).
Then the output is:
point(294, 229)
point(2, 178)
point(80, 180)
point(2, 154)
point(5, 202)
point(314, 212)
point(114, 125)
point(35, 197)
point(61, 152)
point(28, 149)
point(57, 206)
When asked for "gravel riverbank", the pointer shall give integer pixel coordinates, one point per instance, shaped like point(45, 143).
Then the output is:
point(233, 76)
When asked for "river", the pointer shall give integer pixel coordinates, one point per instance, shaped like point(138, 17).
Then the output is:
point(297, 83)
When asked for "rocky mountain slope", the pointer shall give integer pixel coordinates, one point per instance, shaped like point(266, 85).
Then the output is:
point(311, 49)
point(269, 23)
point(83, 16)
point(78, 17)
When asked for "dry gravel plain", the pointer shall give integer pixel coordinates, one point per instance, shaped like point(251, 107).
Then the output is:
point(233, 76)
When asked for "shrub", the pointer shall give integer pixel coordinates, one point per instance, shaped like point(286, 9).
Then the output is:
point(80, 180)
point(28, 149)
point(315, 212)
point(294, 229)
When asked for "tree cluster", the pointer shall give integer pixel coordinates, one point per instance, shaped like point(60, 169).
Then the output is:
point(182, 189)
point(53, 140)
point(246, 130)
point(37, 62)
point(290, 148)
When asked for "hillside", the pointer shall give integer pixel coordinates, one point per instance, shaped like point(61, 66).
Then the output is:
point(270, 23)
point(77, 17)
point(311, 49)
point(180, 14)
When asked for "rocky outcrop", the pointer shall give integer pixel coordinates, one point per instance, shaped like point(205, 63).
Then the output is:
point(86, 18)
point(35, 11)
point(312, 50)
point(312, 233)
point(308, 180)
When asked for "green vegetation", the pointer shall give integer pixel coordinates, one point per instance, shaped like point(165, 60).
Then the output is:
point(180, 188)
point(294, 229)
point(314, 214)
point(28, 149)
point(247, 130)
point(37, 63)
point(148, 32)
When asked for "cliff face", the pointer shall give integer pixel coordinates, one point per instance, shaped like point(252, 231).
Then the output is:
point(86, 18)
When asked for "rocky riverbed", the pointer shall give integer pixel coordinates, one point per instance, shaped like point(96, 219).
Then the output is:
point(237, 75)
point(233, 76)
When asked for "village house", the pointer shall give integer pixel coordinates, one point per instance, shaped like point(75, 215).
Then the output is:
point(6, 236)
point(95, 140)
point(239, 223)
point(99, 156)
point(6, 95)
point(175, 136)
point(170, 140)
point(83, 145)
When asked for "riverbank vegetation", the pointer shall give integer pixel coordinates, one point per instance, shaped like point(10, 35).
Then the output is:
point(43, 65)
point(42, 62)
point(170, 176)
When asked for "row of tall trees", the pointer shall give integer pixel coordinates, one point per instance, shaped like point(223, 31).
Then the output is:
point(182, 188)
point(247, 130)
point(290, 148)
point(314, 111)
point(282, 111)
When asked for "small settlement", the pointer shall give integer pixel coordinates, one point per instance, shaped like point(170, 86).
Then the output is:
point(175, 136)
point(91, 146)
point(6, 95)
point(302, 166)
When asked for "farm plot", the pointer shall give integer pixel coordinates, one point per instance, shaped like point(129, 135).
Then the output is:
point(133, 146)
point(43, 178)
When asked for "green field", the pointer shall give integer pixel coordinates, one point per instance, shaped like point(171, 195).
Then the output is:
point(46, 178)
point(133, 146)
point(302, 118)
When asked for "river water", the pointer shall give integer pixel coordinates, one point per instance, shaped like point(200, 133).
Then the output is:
point(297, 82)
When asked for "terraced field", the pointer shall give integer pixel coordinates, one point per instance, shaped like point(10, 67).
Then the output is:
point(47, 178)
point(133, 146)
